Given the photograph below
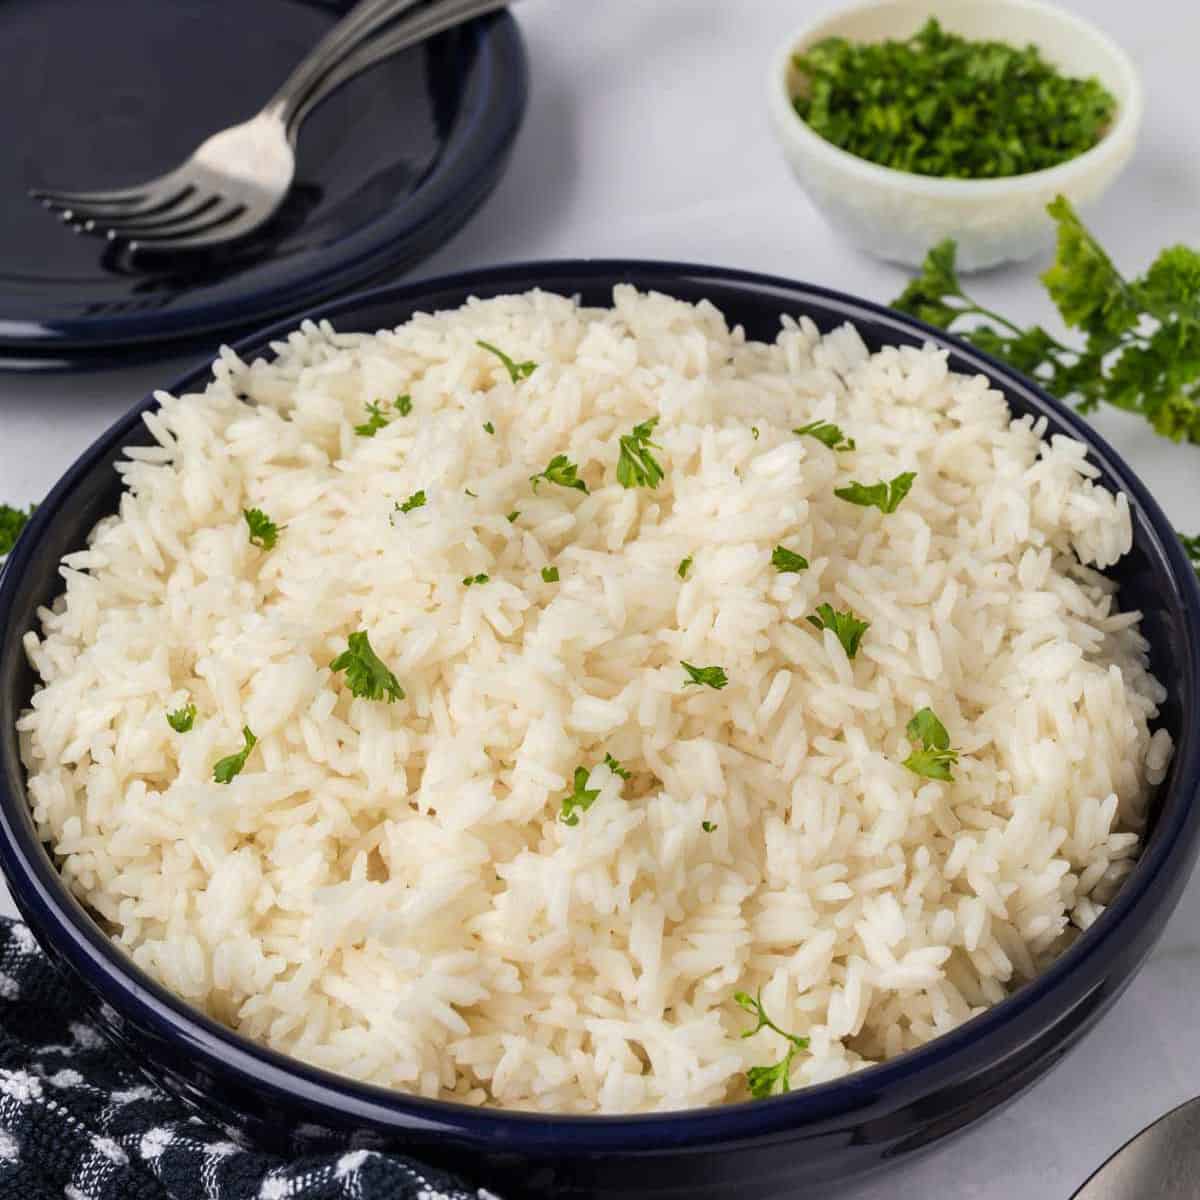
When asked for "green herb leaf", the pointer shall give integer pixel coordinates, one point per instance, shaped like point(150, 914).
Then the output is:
point(12, 521)
point(225, 769)
point(636, 466)
point(516, 370)
point(470, 493)
point(182, 719)
point(884, 496)
point(785, 561)
point(512, 516)
point(754, 430)
point(846, 626)
point(416, 500)
point(614, 766)
point(264, 533)
point(708, 826)
point(767, 1081)
point(713, 677)
point(488, 427)
point(580, 799)
point(366, 674)
point(471, 580)
point(934, 759)
point(827, 434)
point(561, 470)
point(549, 574)
point(376, 420)
point(685, 565)
point(940, 104)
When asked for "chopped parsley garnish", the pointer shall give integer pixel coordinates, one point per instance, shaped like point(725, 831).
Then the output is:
point(404, 404)
point(614, 766)
point(264, 533)
point(766, 1081)
point(884, 496)
point(580, 799)
point(366, 674)
point(12, 521)
point(471, 580)
point(827, 434)
point(636, 466)
point(182, 719)
point(685, 565)
point(708, 826)
point(225, 769)
point(473, 495)
point(376, 420)
point(516, 370)
point(416, 500)
point(549, 574)
point(937, 103)
point(488, 427)
point(561, 470)
point(785, 561)
point(935, 758)
point(512, 516)
point(713, 677)
point(845, 625)
point(1140, 349)
point(754, 430)
point(1191, 547)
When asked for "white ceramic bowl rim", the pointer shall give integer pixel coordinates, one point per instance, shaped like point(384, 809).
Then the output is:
point(791, 124)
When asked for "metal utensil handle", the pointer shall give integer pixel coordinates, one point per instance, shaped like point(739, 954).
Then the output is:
point(360, 23)
point(434, 17)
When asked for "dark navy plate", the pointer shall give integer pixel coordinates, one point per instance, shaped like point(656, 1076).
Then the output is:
point(96, 95)
point(789, 1146)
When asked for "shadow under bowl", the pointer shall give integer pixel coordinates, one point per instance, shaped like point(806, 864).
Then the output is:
point(769, 1148)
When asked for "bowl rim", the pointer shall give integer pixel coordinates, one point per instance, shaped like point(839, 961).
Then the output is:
point(58, 918)
point(791, 127)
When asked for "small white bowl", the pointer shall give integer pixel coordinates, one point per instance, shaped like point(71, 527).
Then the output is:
point(897, 215)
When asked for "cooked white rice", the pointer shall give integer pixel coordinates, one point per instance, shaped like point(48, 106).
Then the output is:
point(387, 889)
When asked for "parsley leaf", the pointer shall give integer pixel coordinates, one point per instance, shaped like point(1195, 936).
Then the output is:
point(549, 574)
point(580, 799)
point(366, 674)
point(225, 769)
point(12, 521)
point(785, 561)
point(713, 677)
point(516, 370)
point(561, 470)
point(708, 826)
point(469, 580)
point(182, 719)
point(416, 500)
point(488, 427)
point(404, 404)
point(827, 434)
point(376, 420)
point(935, 758)
point(614, 766)
point(264, 533)
point(1139, 348)
point(766, 1081)
point(1191, 546)
point(636, 466)
point(512, 516)
point(884, 496)
point(754, 431)
point(846, 626)
point(685, 565)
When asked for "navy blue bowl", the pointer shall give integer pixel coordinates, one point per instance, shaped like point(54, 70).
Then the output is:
point(766, 1148)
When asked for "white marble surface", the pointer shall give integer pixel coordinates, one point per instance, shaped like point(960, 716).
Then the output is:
point(647, 136)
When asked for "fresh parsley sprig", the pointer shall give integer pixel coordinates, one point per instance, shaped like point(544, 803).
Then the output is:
point(366, 673)
point(827, 434)
point(182, 719)
point(1140, 346)
point(934, 759)
point(884, 496)
point(264, 533)
point(516, 370)
point(377, 416)
point(636, 466)
point(846, 626)
point(227, 768)
point(580, 799)
point(614, 766)
point(713, 677)
point(788, 562)
point(767, 1081)
point(562, 471)
point(416, 500)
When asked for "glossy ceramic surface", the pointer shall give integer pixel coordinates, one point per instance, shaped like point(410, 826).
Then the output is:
point(772, 1148)
point(388, 168)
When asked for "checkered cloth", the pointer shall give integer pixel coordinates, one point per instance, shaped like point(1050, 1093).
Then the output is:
point(77, 1120)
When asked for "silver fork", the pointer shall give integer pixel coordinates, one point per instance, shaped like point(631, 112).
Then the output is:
point(236, 179)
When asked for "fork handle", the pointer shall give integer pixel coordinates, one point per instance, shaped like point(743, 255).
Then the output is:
point(431, 18)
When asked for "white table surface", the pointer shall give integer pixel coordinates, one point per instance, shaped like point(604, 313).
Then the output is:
point(647, 137)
